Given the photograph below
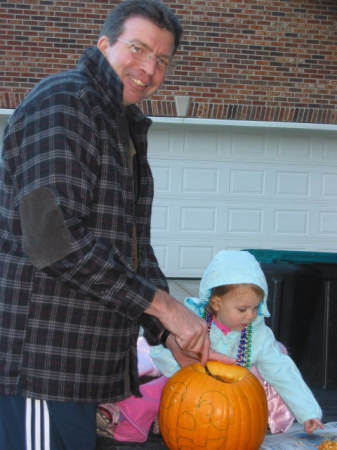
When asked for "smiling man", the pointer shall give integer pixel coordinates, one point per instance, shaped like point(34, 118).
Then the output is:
point(78, 275)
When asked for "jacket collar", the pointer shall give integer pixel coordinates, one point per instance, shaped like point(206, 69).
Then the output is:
point(109, 84)
point(106, 81)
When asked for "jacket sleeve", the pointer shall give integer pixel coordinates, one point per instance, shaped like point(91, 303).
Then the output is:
point(280, 371)
point(152, 328)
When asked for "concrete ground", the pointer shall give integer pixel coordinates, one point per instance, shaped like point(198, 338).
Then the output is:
point(182, 288)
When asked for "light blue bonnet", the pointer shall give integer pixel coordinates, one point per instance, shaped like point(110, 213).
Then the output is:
point(232, 267)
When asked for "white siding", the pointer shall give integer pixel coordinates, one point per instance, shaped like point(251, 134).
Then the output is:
point(233, 186)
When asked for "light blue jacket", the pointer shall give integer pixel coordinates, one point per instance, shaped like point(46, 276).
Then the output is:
point(279, 370)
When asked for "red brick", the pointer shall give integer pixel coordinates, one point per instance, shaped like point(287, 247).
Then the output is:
point(246, 60)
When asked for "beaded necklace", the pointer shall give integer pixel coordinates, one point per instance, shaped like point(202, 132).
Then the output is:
point(243, 357)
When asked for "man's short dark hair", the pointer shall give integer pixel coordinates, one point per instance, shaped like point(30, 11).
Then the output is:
point(152, 10)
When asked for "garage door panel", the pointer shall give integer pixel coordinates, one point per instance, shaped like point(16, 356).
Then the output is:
point(329, 146)
point(192, 258)
point(163, 177)
point(328, 223)
point(245, 220)
point(196, 142)
point(198, 219)
point(293, 183)
point(163, 256)
point(329, 186)
point(249, 144)
point(290, 221)
point(160, 219)
point(166, 143)
point(200, 180)
point(295, 148)
point(247, 181)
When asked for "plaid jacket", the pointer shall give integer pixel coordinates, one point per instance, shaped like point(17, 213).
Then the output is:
point(70, 303)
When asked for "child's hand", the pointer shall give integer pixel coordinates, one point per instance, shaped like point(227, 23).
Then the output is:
point(311, 425)
point(215, 356)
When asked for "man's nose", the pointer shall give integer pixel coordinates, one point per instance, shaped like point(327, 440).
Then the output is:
point(150, 65)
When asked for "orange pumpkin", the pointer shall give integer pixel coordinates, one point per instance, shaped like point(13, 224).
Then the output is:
point(328, 445)
point(217, 407)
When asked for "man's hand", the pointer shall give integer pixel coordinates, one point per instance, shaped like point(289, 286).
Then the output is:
point(189, 330)
point(185, 358)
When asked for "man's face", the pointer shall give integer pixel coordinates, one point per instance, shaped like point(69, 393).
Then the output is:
point(140, 79)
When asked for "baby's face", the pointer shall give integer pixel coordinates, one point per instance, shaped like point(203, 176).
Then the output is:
point(238, 308)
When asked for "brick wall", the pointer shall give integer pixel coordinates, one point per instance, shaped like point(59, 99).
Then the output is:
point(273, 60)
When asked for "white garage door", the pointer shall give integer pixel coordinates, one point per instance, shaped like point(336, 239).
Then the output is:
point(221, 185)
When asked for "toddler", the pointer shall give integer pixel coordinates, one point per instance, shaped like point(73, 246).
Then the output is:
point(232, 300)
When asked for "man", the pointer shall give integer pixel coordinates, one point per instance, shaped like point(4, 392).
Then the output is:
point(78, 273)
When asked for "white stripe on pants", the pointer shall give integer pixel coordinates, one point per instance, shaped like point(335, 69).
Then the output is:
point(41, 425)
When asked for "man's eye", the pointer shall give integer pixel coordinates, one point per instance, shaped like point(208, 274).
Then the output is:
point(163, 62)
point(138, 50)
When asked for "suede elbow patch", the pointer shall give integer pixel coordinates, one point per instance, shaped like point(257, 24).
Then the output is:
point(46, 238)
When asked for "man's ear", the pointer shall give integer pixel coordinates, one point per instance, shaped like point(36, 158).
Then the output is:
point(103, 44)
point(215, 302)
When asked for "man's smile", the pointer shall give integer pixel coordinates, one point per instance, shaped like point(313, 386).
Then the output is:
point(138, 82)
